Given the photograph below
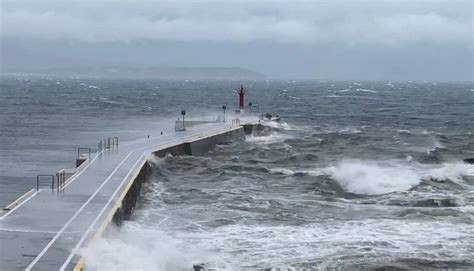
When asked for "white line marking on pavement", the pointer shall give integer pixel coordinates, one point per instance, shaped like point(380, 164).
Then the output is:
point(74, 216)
point(23, 202)
point(84, 236)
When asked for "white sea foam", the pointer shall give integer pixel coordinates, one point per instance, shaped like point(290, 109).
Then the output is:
point(403, 131)
point(278, 125)
point(295, 98)
point(280, 170)
point(289, 172)
point(373, 178)
point(434, 144)
point(366, 90)
point(349, 130)
point(156, 160)
point(137, 248)
point(240, 247)
point(448, 171)
point(267, 139)
point(358, 90)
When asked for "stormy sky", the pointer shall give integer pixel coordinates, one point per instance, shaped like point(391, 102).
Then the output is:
point(338, 39)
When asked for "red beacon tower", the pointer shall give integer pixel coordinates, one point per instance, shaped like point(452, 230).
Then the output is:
point(241, 98)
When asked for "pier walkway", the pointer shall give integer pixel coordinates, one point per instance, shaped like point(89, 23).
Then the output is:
point(47, 228)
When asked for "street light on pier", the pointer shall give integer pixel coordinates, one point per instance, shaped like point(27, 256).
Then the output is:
point(224, 108)
point(183, 113)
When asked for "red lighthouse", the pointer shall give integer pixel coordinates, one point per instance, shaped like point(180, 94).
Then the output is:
point(241, 98)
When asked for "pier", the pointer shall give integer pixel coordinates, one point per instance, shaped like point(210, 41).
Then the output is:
point(46, 228)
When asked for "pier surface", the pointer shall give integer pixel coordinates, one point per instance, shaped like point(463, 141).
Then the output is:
point(46, 229)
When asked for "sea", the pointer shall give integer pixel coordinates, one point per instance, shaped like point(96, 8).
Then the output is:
point(357, 175)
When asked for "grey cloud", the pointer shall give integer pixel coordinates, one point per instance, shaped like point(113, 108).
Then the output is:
point(337, 22)
point(329, 39)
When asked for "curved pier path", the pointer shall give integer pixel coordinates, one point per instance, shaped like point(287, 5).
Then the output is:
point(45, 230)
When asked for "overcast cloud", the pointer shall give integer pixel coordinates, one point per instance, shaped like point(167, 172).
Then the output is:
point(396, 25)
point(384, 22)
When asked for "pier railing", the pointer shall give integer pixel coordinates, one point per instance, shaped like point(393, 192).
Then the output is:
point(43, 176)
point(235, 122)
point(61, 177)
point(58, 181)
point(81, 153)
point(108, 143)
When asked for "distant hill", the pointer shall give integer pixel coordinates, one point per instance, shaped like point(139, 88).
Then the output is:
point(172, 73)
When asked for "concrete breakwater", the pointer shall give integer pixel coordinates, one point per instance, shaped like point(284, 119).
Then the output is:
point(46, 228)
point(196, 147)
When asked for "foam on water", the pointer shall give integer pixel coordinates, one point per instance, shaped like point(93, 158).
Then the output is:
point(135, 247)
point(448, 171)
point(373, 178)
point(295, 98)
point(403, 131)
point(272, 138)
point(366, 90)
point(290, 172)
point(279, 125)
point(434, 144)
point(349, 130)
point(238, 247)
point(381, 177)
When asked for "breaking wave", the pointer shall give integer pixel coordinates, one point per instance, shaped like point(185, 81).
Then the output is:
point(134, 247)
point(375, 178)
point(291, 172)
point(272, 138)
point(157, 250)
point(455, 172)
point(278, 125)
point(371, 178)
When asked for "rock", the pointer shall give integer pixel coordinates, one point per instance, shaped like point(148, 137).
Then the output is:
point(199, 267)
point(469, 160)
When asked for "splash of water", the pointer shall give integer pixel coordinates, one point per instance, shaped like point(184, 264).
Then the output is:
point(372, 178)
point(134, 247)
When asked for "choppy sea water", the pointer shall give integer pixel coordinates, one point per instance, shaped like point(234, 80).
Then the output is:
point(358, 175)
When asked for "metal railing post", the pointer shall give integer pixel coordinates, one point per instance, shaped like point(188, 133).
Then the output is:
point(115, 141)
point(82, 149)
point(38, 177)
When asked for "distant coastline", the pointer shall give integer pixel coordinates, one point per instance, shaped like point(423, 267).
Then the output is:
point(172, 73)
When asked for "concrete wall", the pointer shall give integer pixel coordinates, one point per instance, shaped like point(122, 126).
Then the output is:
point(253, 129)
point(202, 146)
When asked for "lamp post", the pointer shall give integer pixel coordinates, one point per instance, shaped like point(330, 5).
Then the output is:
point(250, 107)
point(183, 113)
point(224, 108)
